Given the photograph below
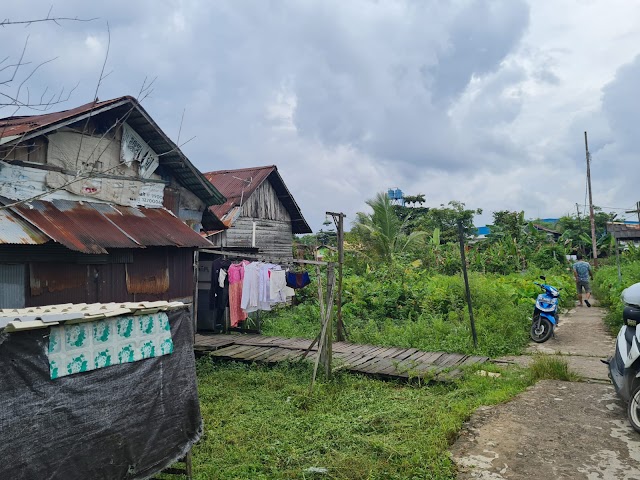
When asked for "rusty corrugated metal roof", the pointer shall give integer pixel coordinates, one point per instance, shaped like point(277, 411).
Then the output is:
point(14, 230)
point(241, 183)
point(12, 126)
point(93, 227)
point(236, 185)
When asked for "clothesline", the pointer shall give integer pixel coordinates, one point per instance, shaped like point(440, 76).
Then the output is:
point(263, 257)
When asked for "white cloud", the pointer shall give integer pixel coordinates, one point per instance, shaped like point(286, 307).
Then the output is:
point(474, 100)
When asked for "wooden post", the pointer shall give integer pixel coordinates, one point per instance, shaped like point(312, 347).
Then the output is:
point(328, 339)
point(324, 354)
point(618, 260)
point(466, 284)
point(591, 215)
point(338, 219)
point(196, 274)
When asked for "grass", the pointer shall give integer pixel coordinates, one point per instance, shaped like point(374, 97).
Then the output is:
point(262, 423)
point(552, 367)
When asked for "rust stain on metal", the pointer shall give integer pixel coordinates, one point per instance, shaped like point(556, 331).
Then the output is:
point(12, 126)
point(236, 185)
point(14, 230)
point(149, 273)
point(93, 227)
point(51, 277)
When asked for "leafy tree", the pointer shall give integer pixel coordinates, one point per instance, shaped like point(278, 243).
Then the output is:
point(382, 231)
point(413, 199)
point(576, 231)
point(507, 224)
point(446, 219)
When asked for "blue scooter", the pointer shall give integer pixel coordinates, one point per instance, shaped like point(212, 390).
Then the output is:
point(545, 313)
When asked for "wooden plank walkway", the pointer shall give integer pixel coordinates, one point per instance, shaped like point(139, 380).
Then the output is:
point(388, 362)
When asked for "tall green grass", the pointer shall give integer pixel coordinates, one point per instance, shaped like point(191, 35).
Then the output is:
point(607, 288)
point(406, 306)
point(552, 367)
point(262, 423)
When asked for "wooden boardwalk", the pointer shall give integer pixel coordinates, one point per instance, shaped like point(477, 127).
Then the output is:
point(388, 362)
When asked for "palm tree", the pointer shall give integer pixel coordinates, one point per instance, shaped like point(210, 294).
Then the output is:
point(382, 230)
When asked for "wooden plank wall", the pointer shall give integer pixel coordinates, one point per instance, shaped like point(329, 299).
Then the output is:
point(274, 237)
point(264, 204)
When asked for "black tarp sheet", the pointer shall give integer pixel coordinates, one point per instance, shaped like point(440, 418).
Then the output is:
point(121, 422)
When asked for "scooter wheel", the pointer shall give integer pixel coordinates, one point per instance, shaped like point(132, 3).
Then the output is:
point(541, 330)
point(633, 409)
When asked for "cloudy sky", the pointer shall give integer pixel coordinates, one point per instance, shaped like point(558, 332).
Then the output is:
point(480, 101)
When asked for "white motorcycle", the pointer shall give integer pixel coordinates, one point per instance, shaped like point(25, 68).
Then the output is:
point(624, 366)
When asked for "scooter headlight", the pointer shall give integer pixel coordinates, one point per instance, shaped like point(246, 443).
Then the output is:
point(630, 323)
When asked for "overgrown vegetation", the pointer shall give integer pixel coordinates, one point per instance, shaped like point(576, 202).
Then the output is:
point(261, 423)
point(402, 283)
point(405, 305)
point(607, 286)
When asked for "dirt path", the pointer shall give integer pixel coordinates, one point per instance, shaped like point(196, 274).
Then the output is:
point(556, 429)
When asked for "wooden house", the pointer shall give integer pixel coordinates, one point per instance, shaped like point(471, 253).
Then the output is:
point(260, 217)
point(260, 213)
point(97, 204)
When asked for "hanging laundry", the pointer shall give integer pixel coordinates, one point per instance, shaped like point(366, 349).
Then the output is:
point(251, 287)
point(279, 292)
point(298, 279)
point(264, 294)
point(219, 293)
point(236, 276)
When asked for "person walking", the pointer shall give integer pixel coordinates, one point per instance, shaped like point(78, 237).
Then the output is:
point(583, 274)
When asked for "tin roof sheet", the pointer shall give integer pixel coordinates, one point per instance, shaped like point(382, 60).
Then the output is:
point(624, 230)
point(18, 319)
point(14, 230)
point(93, 227)
point(237, 185)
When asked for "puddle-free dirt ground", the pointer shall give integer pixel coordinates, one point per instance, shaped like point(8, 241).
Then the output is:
point(555, 429)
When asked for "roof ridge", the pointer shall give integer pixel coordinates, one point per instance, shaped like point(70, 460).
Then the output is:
point(217, 172)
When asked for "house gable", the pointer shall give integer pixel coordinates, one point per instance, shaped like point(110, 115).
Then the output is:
point(109, 152)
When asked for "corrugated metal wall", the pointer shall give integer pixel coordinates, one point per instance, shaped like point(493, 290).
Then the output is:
point(12, 286)
point(154, 274)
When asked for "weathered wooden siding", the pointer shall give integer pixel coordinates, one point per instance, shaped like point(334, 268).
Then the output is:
point(34, 151)
point(265, 205)
point(273, 238)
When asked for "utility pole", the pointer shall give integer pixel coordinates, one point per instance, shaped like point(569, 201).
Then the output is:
point(591, 215)
point(338, 219)
point(637, 210)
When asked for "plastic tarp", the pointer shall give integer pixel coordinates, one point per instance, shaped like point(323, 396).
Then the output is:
point(126, 421)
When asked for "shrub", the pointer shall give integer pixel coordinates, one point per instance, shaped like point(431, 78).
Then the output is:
point(407, 306)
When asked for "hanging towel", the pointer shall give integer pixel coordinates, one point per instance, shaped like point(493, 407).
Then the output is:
point(277, 285)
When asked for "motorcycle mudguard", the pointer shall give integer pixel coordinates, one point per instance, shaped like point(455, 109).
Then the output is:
point(549, 317)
